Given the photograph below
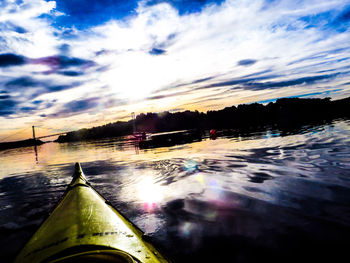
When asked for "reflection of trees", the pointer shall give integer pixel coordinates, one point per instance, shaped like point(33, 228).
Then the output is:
point(284, 114)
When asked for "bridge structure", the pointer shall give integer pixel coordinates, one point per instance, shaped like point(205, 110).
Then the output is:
point(24, 133)
point(46, 136)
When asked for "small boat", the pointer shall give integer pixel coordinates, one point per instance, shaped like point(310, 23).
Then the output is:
point(167, 139)
point(139, 136)
point(84, 227)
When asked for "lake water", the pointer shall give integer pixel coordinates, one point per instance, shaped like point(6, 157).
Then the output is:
point(234, 199)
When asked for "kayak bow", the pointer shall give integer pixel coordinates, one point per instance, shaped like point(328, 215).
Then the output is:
point(85, 227)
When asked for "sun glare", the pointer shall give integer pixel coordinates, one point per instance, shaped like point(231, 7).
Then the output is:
point(149, 193)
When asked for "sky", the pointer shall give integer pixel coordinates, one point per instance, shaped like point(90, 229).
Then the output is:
point(70, 64)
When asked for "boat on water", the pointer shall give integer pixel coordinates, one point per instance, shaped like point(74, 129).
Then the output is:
point(139, 136)
point(84, 227)
point(167, 139)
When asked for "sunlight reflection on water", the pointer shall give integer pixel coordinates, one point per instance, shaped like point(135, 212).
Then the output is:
point(233, 190)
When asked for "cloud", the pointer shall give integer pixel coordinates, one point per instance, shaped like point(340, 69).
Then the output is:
point(81, 105)
point(3, 97)
point(9, 26)
point(27, 88)
point(23, 31)
point(168, 95)
point(27, 109)
point(255, 84)
point(8, 59)
point(157, 51)
point(58, 62)
point(22, 82)
point(73, 107)
point(56, 88)
point(287, 83)
point(70, 73)
point(246, 62)
point(237, 81)
point(137, 55)
point(64, 49)
point(55, 63)
point(7, 107)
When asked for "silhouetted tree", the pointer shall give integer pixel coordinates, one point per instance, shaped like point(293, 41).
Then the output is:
point(286, 113)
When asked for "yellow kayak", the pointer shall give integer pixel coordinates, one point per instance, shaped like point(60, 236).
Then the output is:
point(85, 228)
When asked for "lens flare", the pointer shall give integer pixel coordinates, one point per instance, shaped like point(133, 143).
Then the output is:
point(190, 165)
point(149, 193)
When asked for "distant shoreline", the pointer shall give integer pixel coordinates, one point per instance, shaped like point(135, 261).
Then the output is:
point(19, 144)
point(284, 114)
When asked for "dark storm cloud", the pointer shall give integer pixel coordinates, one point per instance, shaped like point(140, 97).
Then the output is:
point(247, 62)
point(9, 59)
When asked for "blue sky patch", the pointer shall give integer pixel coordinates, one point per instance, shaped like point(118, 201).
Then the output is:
point(86, 13)
point(72, 57)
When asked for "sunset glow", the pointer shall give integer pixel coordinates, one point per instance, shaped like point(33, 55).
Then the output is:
point(67, 65)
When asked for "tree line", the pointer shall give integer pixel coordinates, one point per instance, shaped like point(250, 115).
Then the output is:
point(283, 114)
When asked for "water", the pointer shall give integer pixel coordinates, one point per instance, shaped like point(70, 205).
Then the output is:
point(234, 199)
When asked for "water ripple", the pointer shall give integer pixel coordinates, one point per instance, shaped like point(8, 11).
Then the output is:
point(258, 192)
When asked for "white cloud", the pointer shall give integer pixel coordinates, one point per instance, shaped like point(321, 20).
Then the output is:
point(38, 36)
point(206, 44)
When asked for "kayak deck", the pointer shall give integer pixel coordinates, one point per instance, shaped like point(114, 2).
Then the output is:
point(84, 227)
